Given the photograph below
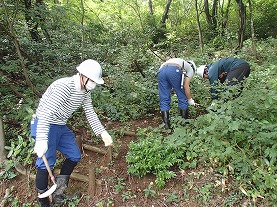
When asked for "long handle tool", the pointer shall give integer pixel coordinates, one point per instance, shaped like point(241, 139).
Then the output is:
point(53, 188)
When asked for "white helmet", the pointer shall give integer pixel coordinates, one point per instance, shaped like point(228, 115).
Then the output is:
point(192, 64)
point(92, 70)
point(200, 70)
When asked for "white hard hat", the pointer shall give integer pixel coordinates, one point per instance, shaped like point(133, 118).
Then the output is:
point(192, 64)
point(92, 70)
point(200, 70)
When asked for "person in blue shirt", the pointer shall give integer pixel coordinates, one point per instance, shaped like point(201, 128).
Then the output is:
point(231, 70)
point(175, 73)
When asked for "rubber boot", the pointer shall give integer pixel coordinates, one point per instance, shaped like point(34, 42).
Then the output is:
point(165, 117)
point(62, 183)
point(43, 202)
point(184, 113)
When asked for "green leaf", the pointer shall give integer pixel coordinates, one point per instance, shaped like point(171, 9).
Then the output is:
point(234, 125)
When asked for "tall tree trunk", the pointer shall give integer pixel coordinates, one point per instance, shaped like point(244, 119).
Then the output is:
point(199, 27)
point(32, 26)
point(2, 141)
point(226, 16)
point(150, 5)
point(165, 14)
point(254, 49)
point(17, 46)
point(214, 14)
point(41, 16)
point(83, 30)
point(242, 15)
point(136, 9)
point(207, 12)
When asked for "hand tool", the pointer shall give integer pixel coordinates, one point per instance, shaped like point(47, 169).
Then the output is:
point(53, 188)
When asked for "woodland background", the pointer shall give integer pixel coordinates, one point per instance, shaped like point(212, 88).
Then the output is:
point(44, 40)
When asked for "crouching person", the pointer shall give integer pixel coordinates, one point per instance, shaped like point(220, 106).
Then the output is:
point(176, 74)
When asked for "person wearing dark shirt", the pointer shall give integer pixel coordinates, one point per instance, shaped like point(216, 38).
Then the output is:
point(231, 70)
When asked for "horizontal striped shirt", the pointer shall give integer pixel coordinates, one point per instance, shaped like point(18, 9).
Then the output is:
point(60, 100)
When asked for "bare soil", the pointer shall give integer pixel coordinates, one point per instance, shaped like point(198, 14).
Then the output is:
point(115, 187)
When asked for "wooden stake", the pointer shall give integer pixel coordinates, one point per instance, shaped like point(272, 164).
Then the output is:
point(128, 133)
point(109, 154)
point(92, 181)
point(94, 149)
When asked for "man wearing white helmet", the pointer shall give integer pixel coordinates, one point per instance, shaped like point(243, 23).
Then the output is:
point(231, 70)
point(60, 100)
point(175, 73)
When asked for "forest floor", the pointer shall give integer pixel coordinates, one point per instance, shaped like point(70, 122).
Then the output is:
point(115, 187)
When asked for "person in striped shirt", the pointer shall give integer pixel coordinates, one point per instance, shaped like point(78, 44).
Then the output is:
point(60, 100)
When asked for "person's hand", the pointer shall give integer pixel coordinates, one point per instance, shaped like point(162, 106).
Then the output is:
point(191, 102)
point(107, 139)
point(41, 147)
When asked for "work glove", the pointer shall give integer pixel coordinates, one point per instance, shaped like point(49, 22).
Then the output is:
point(191, 102)
point(107, 139)
point(41, 146)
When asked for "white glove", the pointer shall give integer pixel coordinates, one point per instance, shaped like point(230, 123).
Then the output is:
point(191, 102)
point(41, 147)
point(107, 139)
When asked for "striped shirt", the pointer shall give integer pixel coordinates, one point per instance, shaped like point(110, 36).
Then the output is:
point(63, 97)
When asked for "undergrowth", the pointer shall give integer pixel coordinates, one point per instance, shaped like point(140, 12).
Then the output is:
point(235, 137)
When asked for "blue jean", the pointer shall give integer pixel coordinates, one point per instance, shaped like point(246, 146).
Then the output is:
point(60, 138)
point(170, 76)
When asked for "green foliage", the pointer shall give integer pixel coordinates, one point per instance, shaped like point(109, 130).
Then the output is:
point(232, 199)
point(21, 149)
point(149, 192)
point(19, 143)
point(204, 193)
point(237, 136)
point(240, 134)
point(7, 173)
point(128, 98)
point(264, 18)
point(173, 197)
point(126, 39)
point(72, 201)
point(119, 185)
point(152, 155)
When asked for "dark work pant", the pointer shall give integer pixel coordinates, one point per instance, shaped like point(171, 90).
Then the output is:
point(237, 75)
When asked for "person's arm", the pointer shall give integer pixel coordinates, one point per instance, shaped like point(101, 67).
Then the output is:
point(187, 88)
point(91, 116)
point(94, 121)
point(187, 91)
